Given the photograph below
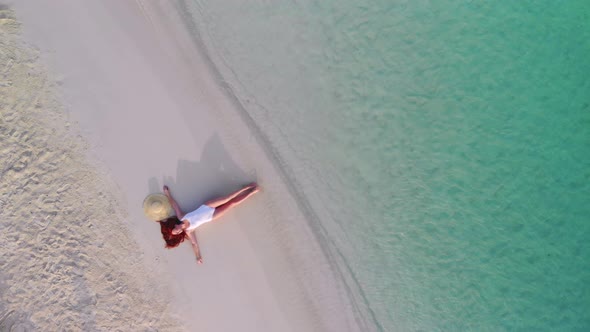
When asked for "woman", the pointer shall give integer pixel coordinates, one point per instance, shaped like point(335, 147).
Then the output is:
point(176, 229)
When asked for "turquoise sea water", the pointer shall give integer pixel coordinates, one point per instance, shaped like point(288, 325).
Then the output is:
point(443, 145)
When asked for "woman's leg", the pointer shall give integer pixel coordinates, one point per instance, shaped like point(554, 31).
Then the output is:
point(179, 213)
point(221, 209)
point(220, 201)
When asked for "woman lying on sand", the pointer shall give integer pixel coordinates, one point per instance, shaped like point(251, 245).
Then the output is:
point(175, 229)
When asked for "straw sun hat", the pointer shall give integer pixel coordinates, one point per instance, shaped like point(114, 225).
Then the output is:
point(157, 207)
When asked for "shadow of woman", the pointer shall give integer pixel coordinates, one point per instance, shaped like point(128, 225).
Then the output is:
point(214, 175)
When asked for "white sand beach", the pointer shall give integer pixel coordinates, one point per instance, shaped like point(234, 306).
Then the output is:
point(103, 102)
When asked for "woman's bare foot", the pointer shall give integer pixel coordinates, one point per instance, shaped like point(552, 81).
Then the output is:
point(256, 188)
point(248, 188)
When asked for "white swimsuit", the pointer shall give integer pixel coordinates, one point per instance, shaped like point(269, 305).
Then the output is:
point(198, 217)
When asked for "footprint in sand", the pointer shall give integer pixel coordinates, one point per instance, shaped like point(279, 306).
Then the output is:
point(22, 162)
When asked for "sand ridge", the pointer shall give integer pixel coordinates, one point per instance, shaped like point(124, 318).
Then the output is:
point(67, 261)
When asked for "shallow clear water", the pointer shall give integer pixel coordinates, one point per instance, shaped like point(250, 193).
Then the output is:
point(444, 147)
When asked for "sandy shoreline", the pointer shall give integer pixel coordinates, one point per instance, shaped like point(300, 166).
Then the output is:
point(150, 112)
point(60, 249)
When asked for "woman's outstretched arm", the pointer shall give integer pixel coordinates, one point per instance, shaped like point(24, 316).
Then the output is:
point(191, 236)
point(179, 213)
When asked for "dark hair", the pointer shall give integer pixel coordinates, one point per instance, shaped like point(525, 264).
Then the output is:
point(172, 240)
